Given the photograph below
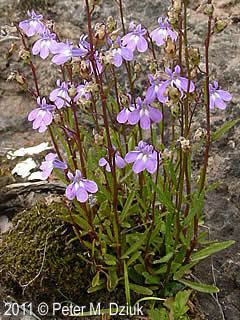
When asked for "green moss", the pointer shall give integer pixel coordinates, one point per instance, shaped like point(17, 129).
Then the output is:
point(38, 251)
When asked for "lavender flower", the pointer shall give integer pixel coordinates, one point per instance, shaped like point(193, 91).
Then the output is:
point(65, 52)
point(161, 34)
point(79, 188)
point(82, 93)
point(154, 92)
point(60, 95)
point(218, 97)
point(135, 39)
point(123, 115)
point(45, 44)
point(119, 161)
point(174, 79)
point(144, 157)
point(142, 112)
point(51, 161)
point(42, 116)
point(119, 53)
point(33, 25)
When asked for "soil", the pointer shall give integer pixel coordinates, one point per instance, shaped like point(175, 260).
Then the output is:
point(223, 203)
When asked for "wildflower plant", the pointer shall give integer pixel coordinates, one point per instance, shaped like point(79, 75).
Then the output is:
point(133, 201)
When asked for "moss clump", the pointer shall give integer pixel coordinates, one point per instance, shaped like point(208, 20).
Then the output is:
point(38, 253)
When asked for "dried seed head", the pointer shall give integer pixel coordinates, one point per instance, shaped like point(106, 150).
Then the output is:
point(72, 91)
point(208, 10)
point(111, 24)
point(199, 134)
point(194, 56)
point(220, 25)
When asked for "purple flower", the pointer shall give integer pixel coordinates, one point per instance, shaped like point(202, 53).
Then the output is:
point(123, 115)
point(51, 162)
point(174, 79)
point(144, 157)
point(82, 93)
point(33, 25)
point(154, 92)
point(119, 161)
point(45, 44)
point(65, 52)
point(135, 39)
point(79, 188)
point(60, 95)
point(119, 53)
point(161, 34)
point(142, 112)
point(218, 97)
point(42, 116)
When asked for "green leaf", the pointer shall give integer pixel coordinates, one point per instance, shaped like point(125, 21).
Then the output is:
point(127, 206)
point(224, 129)
point(213, 248)
point(140, 289)
point(164, 259)
point(126, 284)
point(135, 246)
point(201, 287)
point(95, 280)
point(134, 257)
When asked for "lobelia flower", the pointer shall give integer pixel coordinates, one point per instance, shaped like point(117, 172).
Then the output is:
point(119, 53)
point(65, 52)
point(154, 92)
point(144, 157)
point(174, 79)
point(82, 93)
point(51, 161)
point(42, 116)
point(218, 97)
point(80, 188)
point(33, 25)
point(135, 39)
point(60, 95)
point(44, 45)
point(119, 161)
point(161, 34)
point(143, 113)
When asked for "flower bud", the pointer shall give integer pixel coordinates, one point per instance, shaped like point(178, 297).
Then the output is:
point(220, 25)
point(208, 10)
